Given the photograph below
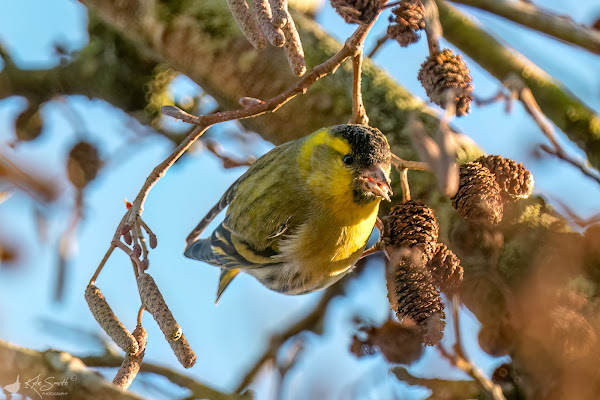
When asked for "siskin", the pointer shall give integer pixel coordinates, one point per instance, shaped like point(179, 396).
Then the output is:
point(300, 217)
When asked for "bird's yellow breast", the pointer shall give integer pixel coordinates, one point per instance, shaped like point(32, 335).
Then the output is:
point(327, 244)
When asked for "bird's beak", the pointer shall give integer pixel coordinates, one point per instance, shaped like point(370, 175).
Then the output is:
point(375, 179)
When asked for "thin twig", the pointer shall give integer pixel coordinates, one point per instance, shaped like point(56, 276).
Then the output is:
point(140, 314)
point(102, 263)
point(460, 361)
point(532, 107)
point(64, 244)
point(591, 173)
point(404, 164)
point(500, 60)
point(198, 389)
point(433, 28)
point(359, 114)
point(28, 181)
point(378, 44)
point(228, 162)
point(311, 321)
point(534, 17)
point(441, 388)
point(405, 185)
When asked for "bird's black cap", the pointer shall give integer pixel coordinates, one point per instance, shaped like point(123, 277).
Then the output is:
point(369, 145)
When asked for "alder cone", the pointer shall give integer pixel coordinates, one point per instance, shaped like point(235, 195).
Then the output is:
point(445, 269)
point(356, 11)
point(515, 181)
point(397, 342)
point(408, 18)
point(83, 164)
point(478, 198)
point(444, 70)
point(412, 294)
point(496, 339)
point(411, 225)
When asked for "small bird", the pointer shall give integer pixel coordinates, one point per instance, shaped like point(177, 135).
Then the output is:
point(301, 215)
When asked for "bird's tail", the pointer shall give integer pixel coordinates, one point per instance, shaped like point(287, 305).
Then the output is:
point(201, 250)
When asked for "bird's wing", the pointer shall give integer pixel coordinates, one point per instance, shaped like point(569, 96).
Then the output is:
point(270, 202)
point(213, 212)
point(229, 251)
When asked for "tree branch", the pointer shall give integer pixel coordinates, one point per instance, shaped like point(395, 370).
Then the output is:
point(311, 322)
point(531, 16)
point(441, 388)
point(54, 366)
point(573, 117)
point(197, 389)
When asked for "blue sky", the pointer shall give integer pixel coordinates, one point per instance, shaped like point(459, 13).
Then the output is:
point(228, 337)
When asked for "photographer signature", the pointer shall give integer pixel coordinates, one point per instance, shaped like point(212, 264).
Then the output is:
point(39, 386)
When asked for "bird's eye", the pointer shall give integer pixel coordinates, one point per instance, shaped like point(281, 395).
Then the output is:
point(348, 159)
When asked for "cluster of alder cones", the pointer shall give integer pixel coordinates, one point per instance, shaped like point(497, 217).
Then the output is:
point(444, 75)
point(419, 267)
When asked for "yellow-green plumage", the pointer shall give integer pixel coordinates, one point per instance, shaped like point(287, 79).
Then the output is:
point(299, 218)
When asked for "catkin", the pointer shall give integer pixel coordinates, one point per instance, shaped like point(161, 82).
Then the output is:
point(280, 12)
point(108, 321)
point(293, 48)
point(245, 20)
point(182, 349)
point(132, 362)
point(262, 10)
point(154, 302)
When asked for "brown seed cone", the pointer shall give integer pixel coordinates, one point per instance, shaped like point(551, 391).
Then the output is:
point(409, 17)
point(182, 349)
point(412, 294)
point(399, 343)
point(132, 362)
point(445, 269)
point(83, 164)
point(154, 302)
point(444, 70)
point(28, 124)
point(108, 321)
point(496, 339)
point(411, 225)
point(515, 181)
point(356, 11)
point(478, 197)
